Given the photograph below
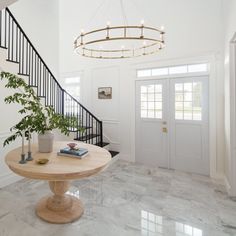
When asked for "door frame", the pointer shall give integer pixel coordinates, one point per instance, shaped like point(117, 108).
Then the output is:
point(213, 74)
point(231, 183)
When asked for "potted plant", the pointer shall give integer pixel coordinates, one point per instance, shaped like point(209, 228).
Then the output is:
point(36, 117)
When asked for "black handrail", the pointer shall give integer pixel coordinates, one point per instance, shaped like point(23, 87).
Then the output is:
point(22, 51)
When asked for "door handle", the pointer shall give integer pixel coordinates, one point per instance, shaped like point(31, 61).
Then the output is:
point(164, 122)
point(164, 130)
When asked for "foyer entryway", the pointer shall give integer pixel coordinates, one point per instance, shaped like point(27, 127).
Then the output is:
point(172, 123)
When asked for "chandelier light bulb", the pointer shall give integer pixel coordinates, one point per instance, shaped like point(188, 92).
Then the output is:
point(162, 28)
point(123, 47)
point(108, 23)
point(82, 31)
point(144, 43)
point(142, 22)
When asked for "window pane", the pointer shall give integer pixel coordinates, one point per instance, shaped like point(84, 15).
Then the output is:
point(151, 114)
point(158, 88)
point(143, 105)
point(72, 80)
point(143, 89)
point(179, 97)
point(198, 68)
point(151, 97)
point(144, 73)
point(144, 96)
point(158, 97)
point(188, 87)
point(159, 71)
point(143, 113)
point(151, 88)
point(159, 114)
point(179, 106)
point(158, 105)
point(188, 115)
point(197, 115)
point(197, 87)
point(178, 70)
point(188, 97)
point(188, 106)
point(179, 87)
point(151, 106)
point(179, 115)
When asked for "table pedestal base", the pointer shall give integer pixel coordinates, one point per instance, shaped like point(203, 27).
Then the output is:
point(59, 208)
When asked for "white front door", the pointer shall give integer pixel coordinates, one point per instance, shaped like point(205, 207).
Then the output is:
point(172, 123)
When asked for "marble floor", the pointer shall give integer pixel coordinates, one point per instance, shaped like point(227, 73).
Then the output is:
point(126, 200)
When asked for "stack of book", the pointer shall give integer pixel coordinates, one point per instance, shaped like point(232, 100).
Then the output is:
point(78, 153)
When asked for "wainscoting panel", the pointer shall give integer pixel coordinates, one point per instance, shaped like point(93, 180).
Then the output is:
point(6, 175)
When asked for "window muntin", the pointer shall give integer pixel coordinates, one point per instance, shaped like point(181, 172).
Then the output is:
point(173, 70)
point(188, 101)
point(151, 101)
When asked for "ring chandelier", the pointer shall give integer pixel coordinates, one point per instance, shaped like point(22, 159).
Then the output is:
point(99, 43)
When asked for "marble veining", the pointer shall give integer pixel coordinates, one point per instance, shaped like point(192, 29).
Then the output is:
point(127, 199)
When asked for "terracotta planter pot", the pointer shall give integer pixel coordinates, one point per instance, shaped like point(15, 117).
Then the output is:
point(45, 142)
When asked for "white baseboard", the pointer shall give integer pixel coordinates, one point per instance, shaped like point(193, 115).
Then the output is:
point(125, 157)
point(227, 185)
point(9, 179)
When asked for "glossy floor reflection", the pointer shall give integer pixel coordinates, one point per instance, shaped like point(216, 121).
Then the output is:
point(126, 200)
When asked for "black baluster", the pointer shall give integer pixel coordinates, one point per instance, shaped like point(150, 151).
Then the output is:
point(12, 39)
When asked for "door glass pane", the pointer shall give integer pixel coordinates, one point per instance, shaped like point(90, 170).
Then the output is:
point(188, 104)
point(151, 101)
point(143, 113)
point(144, 106)
point(143, 89)
point(151, 88)
point(179, 87)
point(151, 105)
point(151, 97)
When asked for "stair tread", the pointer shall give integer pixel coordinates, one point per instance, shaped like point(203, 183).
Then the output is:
point(103, 144)
point(23, 74)
point(84, 127)
point(113, 153)
point(12, 61)
point(87, 137)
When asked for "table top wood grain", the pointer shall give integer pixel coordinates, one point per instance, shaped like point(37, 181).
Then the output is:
point(59, 168)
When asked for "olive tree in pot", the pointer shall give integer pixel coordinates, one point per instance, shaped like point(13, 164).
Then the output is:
point(36, 117)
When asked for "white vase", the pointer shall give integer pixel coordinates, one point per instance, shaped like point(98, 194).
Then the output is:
point(45, 141)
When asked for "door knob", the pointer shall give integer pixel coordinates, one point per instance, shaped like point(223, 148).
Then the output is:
point(164, 130)
point(164, 122)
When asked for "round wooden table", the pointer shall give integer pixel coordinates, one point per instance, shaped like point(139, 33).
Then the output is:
point(60, 207)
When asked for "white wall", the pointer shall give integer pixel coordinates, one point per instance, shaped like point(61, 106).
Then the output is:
point(229, 16)
point(193, 32)
point(39, 19)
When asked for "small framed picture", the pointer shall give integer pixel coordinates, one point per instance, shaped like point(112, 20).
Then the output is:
point(105, 93)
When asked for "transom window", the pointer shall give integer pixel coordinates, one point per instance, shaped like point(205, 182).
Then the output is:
point(151, 101)
point(188, 101)
point(173, 70)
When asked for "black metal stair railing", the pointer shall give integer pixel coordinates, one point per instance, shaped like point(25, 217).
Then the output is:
point(20, 50)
